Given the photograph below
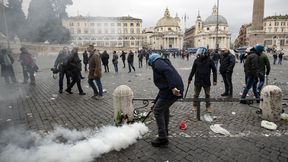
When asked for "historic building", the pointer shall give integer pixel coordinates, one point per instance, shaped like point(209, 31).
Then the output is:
point(273, 35)
point(166, 34)
point(114, 32)
point(204, 33)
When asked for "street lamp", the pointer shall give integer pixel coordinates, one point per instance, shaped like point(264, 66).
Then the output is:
point(217, 25)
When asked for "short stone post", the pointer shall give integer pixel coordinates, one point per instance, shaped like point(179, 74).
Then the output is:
point(272, 103)
point(122, 103)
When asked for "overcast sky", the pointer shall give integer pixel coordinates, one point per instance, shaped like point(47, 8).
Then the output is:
point(237, 12)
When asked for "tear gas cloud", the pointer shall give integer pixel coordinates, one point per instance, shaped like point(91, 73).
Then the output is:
point(20, 145)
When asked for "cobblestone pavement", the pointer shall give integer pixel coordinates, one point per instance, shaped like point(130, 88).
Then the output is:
point(40, 108)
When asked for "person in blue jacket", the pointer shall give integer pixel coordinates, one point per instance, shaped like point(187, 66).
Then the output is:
point(171, 87)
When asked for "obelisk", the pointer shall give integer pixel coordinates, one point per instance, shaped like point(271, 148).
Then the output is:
point(256, 34)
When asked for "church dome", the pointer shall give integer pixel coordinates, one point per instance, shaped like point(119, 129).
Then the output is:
point(212, 20)
point(167, 21)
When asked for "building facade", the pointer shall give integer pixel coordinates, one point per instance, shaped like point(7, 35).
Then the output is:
point(114, 32)
point(166, 34)
point(274, 33)
point(205, 32)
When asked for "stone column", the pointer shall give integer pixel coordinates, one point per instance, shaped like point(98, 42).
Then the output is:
point(122, 104)
point(272, 103)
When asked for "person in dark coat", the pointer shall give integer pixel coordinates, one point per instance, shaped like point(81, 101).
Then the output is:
point(105, 60)
point(216, 58)
point(7, 71)
point(115, 61)
point(251, 69)
point(264, 65)
point(123, 56)
point(171, 87)
point(140, 58)
point(74, 67)
point(201, 68)
point(130, 61)
point(28, 66)
point(61, 65)
point(280, 57)
point(85, 60)
point(274, 56)
point(227, 63)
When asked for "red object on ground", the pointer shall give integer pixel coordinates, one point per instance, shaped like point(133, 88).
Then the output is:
point(183, 125)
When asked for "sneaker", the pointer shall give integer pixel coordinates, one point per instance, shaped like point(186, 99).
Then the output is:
point(82, 93)
point(160, 142)
point(69, 91)
point(224, 94)
point(94, 97)
point(209, 109)
point(60, 91)
point(99, 97)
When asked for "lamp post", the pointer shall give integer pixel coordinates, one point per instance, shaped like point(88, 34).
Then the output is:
point(217, 25)
point(5, 23)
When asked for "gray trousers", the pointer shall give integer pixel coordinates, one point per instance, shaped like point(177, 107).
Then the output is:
point(161, 113)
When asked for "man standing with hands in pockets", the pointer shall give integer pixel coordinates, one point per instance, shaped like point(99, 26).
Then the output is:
point(171, 87)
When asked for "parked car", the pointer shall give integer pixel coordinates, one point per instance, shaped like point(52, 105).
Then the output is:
point(192, 50)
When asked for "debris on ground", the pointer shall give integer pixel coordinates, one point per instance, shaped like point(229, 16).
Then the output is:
point(216, 128)
point(268, 125)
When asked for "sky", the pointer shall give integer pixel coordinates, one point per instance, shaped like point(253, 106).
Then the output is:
point(237, 12)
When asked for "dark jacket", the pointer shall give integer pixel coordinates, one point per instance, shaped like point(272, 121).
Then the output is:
point(74, 63)
point(115, 59)
point(215, 56)
point(202, 69)
point(130, 58)
point(227, 63)
point(61, 61)
point(105, 58)
point(166, 78)
point(264, 64)
point(6, 61)
point(85, 57)
point(251, 65)
point(123, 55)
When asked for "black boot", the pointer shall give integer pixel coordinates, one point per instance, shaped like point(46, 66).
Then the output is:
point(158, 142)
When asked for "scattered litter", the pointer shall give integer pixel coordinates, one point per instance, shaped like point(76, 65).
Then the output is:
point(54, 95)
point(207, 117)
point(138, 75)
point(284, 116)
point(184, 135)
point(52, 98)
point(144, 90)
point(268, 125)
point(104, 90)
point(87, 87)
point(183, 125)
point(113, 83)
point(9, 120)
point(10, 107)
point(233, 113)
point(29, 114)
point(216, 128)
point(27, 96)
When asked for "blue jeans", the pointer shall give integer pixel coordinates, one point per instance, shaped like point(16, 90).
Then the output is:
point(116, 67)
point(251, 82)
point(99, 85)
point(61, 78)
point(261, 81)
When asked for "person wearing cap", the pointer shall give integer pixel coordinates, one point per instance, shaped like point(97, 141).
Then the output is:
point(264, 66)
point(251, 69)
point(227, 63)
point(171, 87)
point(201, 68)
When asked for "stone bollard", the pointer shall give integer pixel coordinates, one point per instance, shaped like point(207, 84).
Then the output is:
point(272, 103)
point(122, 104)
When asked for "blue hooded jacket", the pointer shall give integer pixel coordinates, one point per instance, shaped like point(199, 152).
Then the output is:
point(166, 78)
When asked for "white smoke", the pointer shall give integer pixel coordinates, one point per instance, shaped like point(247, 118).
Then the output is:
point(64, 145)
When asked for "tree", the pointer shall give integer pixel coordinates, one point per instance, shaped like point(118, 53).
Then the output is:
point(45, 21)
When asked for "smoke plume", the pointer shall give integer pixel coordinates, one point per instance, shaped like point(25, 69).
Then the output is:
point(64, 145)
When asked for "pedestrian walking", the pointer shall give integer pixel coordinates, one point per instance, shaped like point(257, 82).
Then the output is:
point(202, 68)
point(61, 65)
point(251, 69)
point(227, 63)
point(74, 67)
point(171, 87)
point(123, 56)
point(95, 72)
point(130, 60)
point(115, 61)
point(274, 56)
point(216, 58)
point(140, 58)
point(105, 60)
point(280, 57)
point(85, 60)
point(7, 70)
point(29, 67)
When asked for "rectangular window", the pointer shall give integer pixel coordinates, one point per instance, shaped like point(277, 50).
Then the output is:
point(99, 31)
point(71, 24)
point(106, 31)
point(124, 24)
point(112, 31)
point(112, 24)
point(86, 31)
point(131, 24)
point(105, 24)
point(118, 24)
point(99, 24)
point(119, 31)
point(92, 31)
point(125, 31)
point(138, 24)
point(78, 31)
point(132, 31)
